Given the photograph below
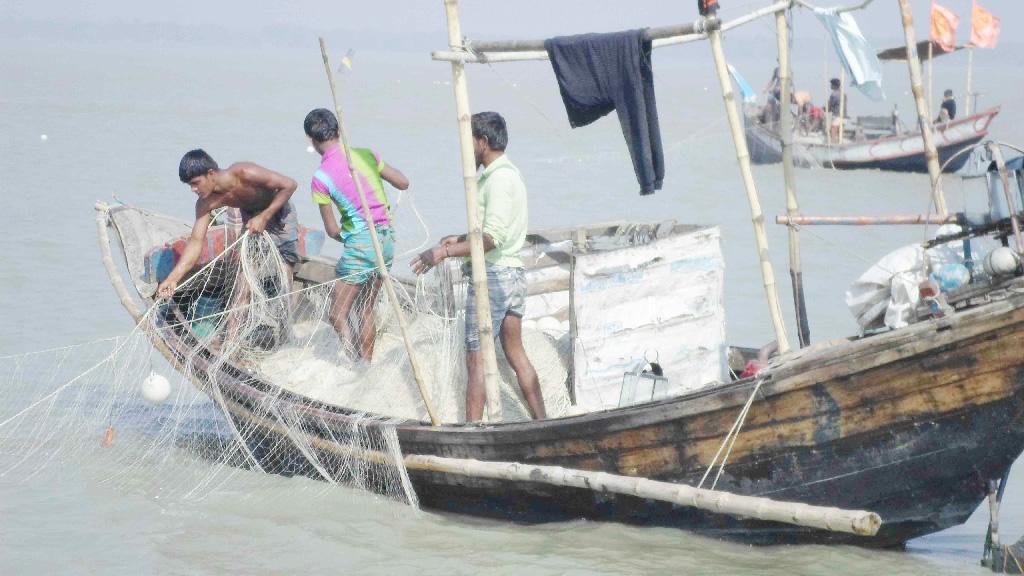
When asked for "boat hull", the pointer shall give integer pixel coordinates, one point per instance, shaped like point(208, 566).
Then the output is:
point(896, 153)
point(910, 424)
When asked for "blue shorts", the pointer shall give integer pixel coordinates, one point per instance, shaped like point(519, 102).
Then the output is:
point(358, 262)
point(506, 290)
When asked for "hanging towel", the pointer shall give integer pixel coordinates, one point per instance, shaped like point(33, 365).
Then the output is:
point(598, 73)
point(854, 52)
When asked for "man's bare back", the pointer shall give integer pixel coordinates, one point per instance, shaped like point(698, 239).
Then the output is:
point(244, 185)
point(259, 192)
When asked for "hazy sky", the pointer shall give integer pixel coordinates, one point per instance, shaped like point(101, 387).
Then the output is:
point(419, 24)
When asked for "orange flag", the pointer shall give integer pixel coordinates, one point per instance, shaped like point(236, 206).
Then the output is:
point(944, 25)
point(984, 28)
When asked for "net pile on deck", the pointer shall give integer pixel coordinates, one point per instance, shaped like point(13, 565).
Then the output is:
point(297, 340)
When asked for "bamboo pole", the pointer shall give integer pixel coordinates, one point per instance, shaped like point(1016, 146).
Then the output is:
point(475, 235)
point(1011, 206)
point(923, 120)
point(482, 57)
point(912, 219)
point(792, 206)
point(931, 79)
point(756, 216)
point(382, 267)
point(859, 522)
point(661, 32)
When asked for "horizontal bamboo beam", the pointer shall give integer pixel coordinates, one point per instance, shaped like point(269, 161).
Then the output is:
point(486, 52)
point(858, 522)
point(931, 219)
point(658, 33)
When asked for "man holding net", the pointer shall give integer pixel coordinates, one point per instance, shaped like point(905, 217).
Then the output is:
point(502, 197)
point(262, 195)
point(358, 278)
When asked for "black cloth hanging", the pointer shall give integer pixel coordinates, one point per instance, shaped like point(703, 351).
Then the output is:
point(598, 73)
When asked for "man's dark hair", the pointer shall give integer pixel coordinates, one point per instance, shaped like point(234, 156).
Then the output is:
point(491, 126)
point(948, 93)
point(321, 125)
point(834, 82)
point(195, 163)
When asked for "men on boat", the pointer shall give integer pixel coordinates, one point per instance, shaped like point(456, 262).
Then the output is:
point(359, 279)
point(262, 195)
point(503, 211)
point(947, 111)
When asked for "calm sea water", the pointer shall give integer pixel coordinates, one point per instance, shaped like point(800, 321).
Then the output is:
point(117, 119)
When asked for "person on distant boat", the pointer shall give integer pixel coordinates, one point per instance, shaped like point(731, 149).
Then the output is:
point(947, 110)
point(502, 198)
point(262, 195)
point(835, 105)
point(772, 110)
point(810, 118)
point(359, 279)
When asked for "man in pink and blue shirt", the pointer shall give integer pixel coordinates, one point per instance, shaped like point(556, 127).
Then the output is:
point(333, 187)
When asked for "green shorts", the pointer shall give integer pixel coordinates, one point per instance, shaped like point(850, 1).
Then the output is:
point(358, 262)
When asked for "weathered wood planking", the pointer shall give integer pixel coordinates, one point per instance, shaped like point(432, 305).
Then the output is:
point(908, 424)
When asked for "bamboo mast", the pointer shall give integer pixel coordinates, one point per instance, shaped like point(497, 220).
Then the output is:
point(743, 157)
point(931, 78)
point(912, 219)
point(792, 206)
point(475, 236)
point(381, 264)
point(923, 120)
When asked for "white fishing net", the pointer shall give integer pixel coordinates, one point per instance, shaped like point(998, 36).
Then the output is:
point(268, 375)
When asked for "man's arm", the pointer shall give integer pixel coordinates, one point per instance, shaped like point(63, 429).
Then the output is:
point(394, 176)
point(330, 224)
point(283, 187)
point(190, 255)
point(449, 247)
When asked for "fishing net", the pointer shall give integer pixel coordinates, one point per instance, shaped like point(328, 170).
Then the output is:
point(250, 369)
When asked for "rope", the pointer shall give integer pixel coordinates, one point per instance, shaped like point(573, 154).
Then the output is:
point(58, 348)
point(118, 348)
point(730, 438)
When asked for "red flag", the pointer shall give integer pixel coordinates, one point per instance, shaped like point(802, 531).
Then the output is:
point(944, 25)
point(984, 28)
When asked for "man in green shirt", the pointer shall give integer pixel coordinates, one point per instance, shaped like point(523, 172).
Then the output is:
point(503, 214)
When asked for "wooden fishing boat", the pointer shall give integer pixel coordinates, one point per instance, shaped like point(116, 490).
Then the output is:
point(884, 149)
point(910, 424)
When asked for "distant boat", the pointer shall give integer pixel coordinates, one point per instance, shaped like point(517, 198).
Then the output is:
point(876, 144)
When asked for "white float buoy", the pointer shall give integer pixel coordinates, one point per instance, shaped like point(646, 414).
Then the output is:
point(155, 388)
point(43, 137)
point(310, 149)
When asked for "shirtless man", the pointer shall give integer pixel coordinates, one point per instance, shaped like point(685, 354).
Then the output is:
point(261, 194)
